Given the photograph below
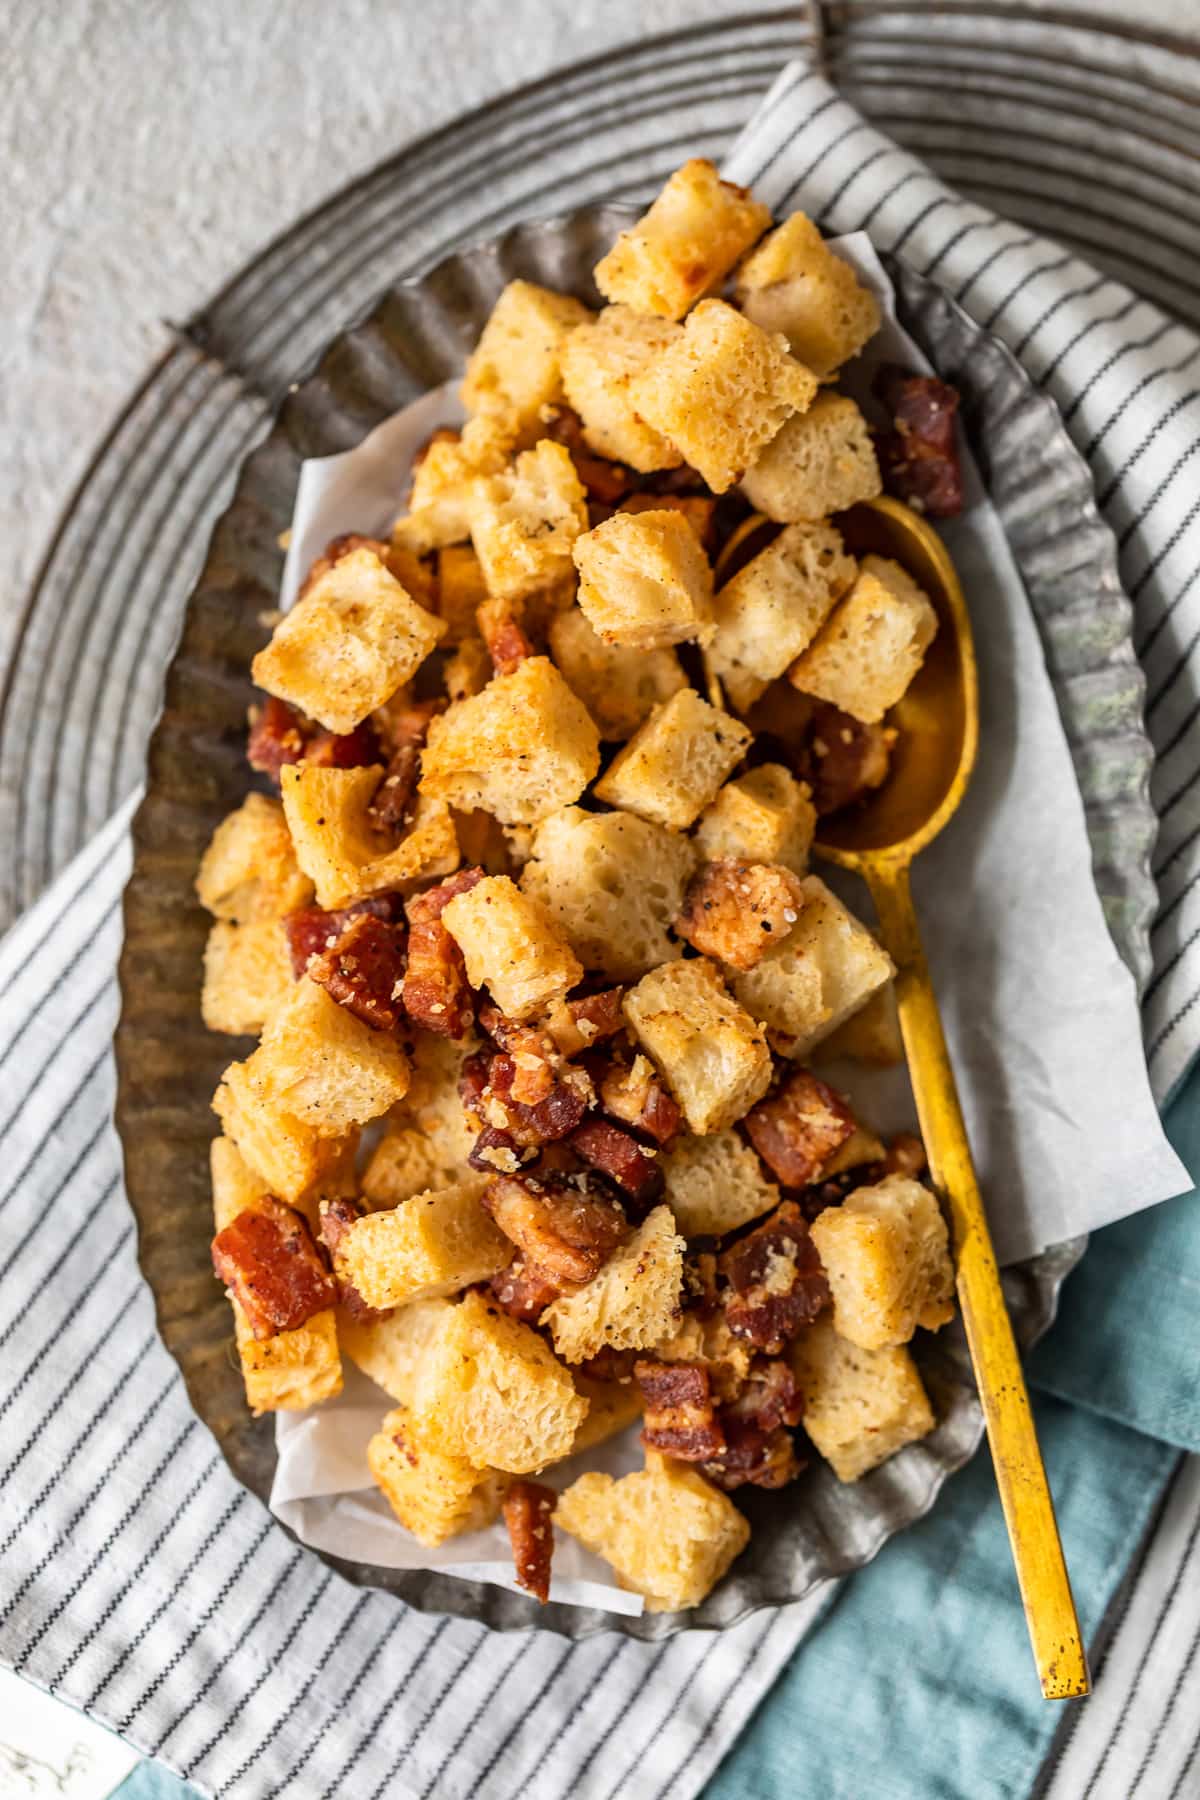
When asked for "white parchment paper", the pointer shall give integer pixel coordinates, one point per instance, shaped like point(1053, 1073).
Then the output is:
point(1040, 1012)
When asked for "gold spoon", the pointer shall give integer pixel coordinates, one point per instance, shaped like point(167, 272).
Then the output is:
point(938, 720)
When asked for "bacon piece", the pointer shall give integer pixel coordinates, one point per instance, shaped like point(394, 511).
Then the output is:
point(680, 1418)
point(906, 1156)
point(813, 1201)
point(436, 993)
point(527, 1509)
point(497, 1152)
point(268, 1261)
point(310, 931)
point(576, 1025)
point(633, 1093)
point(842, 759)
point(524, 1291)
point(605, 481)
point(568, 1225)
point(277, 736)
point(613, 1152)
point(797, 1129)
point(507, 644)
point(753, 1458)
point(337, 1216)
point(487, 1087)
point(700, 1281)
point(768, 1397)
point(391, 804)
point(355, 749)
point(698, 509)
point(681, 480)
point(776, 1282)
point(918, 457)
point(534, 1053)
point(364, 972)
point(609, 1365)
point(737, 911)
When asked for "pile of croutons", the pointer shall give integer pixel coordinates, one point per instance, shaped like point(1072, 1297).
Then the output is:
point(532, 1133)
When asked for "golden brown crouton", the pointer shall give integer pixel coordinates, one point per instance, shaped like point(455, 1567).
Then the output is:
point(691, 236)
point(599, 361)
point(391, 1350)
point(525, 520)
point(324, 1067)
point(461, 591)
point(871, 1035)
point(765, 815)
point(644, 581)
point(631, 1303)
point(511, 947)
point(667, 1534)
point(434, 1244)
point(291, 1156)
point(620, 687)
point(612, 1405)
point(249, 870)
point(820, 462)
point(516, 367)
point(716, 1184)
point(674, 764)
point(796, 284)
point(886, 1254)
point(435, 1495)
point(860, 1406)
point(710, 1052)
point(247, 972)
point(337, 842)
point(404, 1162)
point(871, 646)
point(773, 608)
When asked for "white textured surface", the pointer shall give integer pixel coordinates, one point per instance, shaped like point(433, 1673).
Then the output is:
point(149, 150)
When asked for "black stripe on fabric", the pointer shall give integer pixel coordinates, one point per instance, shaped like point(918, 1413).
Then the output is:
point(1018, 243)
point(800, 78)
point(1162, 751)
point(544, 1694)
point(826, 151)
point(1180, 897)
point(197, 1557)
point(1172, 1025)
point(78, 1234)
point(1055, 306)
point(421, 1648)
point(674, 1696)
point(1180, 463)
point(278, 1661)
point(333, 1712)
point(1151, 1750)
point(1168, 681)
point(597, 1687)
point(1185, 787)
point(60, 1606)
point(715, 1718)
point(911, 175)
point(1160, 975)
point(860, 169)
point(1131, 1692)
point(1135, 394)
point(1031, 275)
point(956, 238)
point(63, 975)
point(1184, 1784)
point(129, 1586)
point(1146, 343)
point(1051, 370)
point(1184, 845)
point(297, 1699)
point(50, 1135)
point(447, 1688)
point(89, 878)
point(507, 1669)
point(33, 1082)
point(55, 1341)
point(246, 1635)
point(1180, 531)
point(214, 1606)
point(1181, 593)
point(916, 223)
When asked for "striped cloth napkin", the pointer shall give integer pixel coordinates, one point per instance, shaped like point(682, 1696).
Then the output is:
point(143, 1583)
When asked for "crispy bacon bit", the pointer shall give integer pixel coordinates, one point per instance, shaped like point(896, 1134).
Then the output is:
point(277, 736)
point(524, 1291)
point(605, 481)
point(577, 1024)
point(393, 798)
point(615, 1153)
point(700, 1281)
point(842, 759)
point(507, 644)
point(364, 972)
point(337, 1216)
point(269, 1263)
point(568, 1225)
point(527, 1509)
point(353, 750)
point(680, 1418)
point(487, 1087)
point(496, 1152)
point(736, 911)
point(753, 1458)
point(813, 1201)
point(769, 1396)
point(682, 480)
point(918, 457)
point(698, 509)
point(906, 1156)
point(310, 931)
point(633, 1093)
point(797, 1130)
point(533, 1051)
point(609, 1365)
point(436, 993)
point(776, 1282)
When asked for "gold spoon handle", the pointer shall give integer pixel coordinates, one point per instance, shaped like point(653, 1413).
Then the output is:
point(1020, 1475)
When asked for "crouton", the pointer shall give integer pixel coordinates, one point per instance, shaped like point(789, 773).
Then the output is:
point(734, 911)
point(706, 1338)
point(716, 1184)
point(339, 846)
point(434, 1244)
point(773, 608)
point(692, 235)
point(871, 1035)
point(819, 462)
point(516, 367)
point(631, 1303)
point(598, 362)
point(461, 591)
point(860, 1406)
point(869, 649)
point(644, 581)
point(469, 670)
point(721, 392)
point(520, 750)
point(323, 1067)
point(432, 1104)
point(672, 767)
point(612, 1405)
point(796, 284)
point(353, 639)
point(511, 947)
point(404, 1162)
point(290, 1155)
point(434, 1495)
point(249, 870)
point(666, 1532)
point(620, 687)
point(824, 970)
point(525, 520)
point(886, 1254)
point(247, 972)
point(445, 482)
point(391, 1350)
point(710, 1052)
point(491, 1390)
point(763, 816)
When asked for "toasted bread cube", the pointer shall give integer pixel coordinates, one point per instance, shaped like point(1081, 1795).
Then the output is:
point(644, 581)
point(511, 947)
point(434, 1495)
point(612, 883)
point(773, 608)
point(620, 687)
point(521, 749)
point(796, 284)
point(716, 1184)
point(431, 1245)
point(706, 1338)
point(721, 392)
point(825, 969)
point(445, 481)
point(432, 1103)
point(691, 236)
point(469, 670)
point(403, 1163)
point(632, 1303)
point(338, 845)
point(871, 1035)
point(249, 870)
point(666, 1532)
point(461, 591)
point(391, 1350)
point(764, 816)
point(492, 1390)
point(247, 973)
point(599, 361)
point(324, 1067)
point(525, 520)
point(886, 1253)
point(872, 645)
point(860, 1406)
point(354, 638)
point(821, 461)
point(710, 1052)
point(516, 366)
point(862, 1146)
point(674, 764)
point(236, 1187)
point(612, 1405)
point(291, 1156)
